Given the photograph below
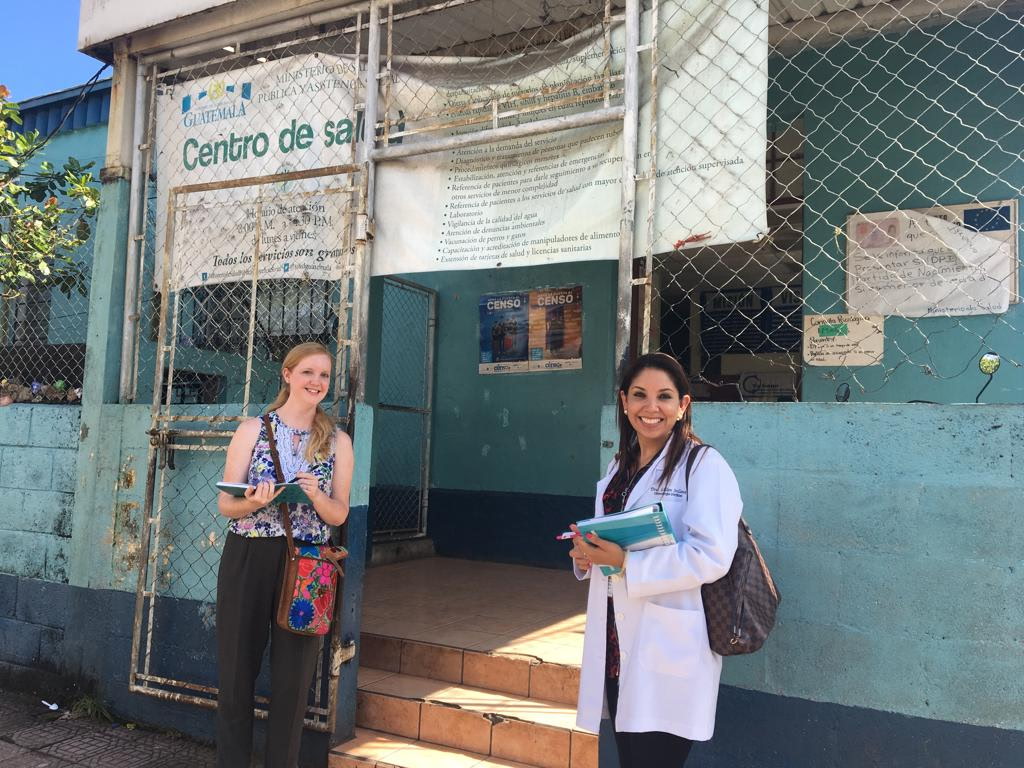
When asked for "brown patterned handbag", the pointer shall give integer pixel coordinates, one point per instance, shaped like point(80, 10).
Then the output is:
point(740, 607)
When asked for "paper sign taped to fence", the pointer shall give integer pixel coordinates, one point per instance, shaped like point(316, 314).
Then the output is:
point(844, 340)
point(933, 262)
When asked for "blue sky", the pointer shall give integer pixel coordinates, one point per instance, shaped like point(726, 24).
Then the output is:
point(39, 52)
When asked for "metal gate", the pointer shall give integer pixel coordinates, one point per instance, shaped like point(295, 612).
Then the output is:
point(401, 482)
point(215, 340)
point(245, 327)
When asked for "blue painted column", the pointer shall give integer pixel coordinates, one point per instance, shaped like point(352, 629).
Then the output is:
point(355, 569)
point(90, 562)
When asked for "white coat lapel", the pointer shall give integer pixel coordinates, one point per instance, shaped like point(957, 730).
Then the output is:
point(650, 478)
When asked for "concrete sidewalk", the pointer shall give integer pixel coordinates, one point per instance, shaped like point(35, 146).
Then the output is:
point(31, 736)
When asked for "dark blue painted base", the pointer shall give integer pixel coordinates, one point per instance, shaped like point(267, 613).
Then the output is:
point(761, 730)
point(62, 641)
point(88, 650)
point(504, 527)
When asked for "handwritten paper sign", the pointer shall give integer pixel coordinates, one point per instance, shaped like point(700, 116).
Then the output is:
point(933, 262)
point(844, 340)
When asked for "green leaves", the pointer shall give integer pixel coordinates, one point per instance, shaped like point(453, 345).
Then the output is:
point(45, 214)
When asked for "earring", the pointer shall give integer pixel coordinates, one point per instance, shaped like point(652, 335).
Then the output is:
point(679, 417)
point(625, 412)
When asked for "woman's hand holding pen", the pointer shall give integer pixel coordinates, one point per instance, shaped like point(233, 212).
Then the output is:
point(578, 554)
point(310, 486)
point(590, 549)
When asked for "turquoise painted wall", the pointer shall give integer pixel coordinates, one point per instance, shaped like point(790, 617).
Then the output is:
point(910, 120)
point(520, 432)
point(38, 462)
point(895, 533)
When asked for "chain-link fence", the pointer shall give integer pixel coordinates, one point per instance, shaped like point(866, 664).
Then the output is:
point(248, 246)
point(42, 343)
point(400, 483)
point(887, 266)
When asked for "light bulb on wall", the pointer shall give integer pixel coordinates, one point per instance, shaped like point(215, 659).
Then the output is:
point(988, 364)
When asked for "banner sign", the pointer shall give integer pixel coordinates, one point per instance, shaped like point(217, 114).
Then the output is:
point(537, 200)
point(280, 116)
point(933, 262)
point(558, 197)
point(539, 330)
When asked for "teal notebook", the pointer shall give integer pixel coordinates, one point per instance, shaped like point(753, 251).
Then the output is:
point(293, 493)
point(639, 528)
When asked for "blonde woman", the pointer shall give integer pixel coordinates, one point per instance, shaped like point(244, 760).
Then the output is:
point(320, 459)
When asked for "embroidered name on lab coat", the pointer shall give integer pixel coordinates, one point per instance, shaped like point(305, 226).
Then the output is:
point(674, 493)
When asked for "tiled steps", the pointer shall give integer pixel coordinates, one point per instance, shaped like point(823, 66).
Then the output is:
point(372, 749)
point(417, 698)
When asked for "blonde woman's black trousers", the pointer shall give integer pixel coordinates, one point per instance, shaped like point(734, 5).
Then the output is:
point(248, 586)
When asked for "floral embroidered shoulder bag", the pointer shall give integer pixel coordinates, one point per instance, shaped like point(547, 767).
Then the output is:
point(311, 572)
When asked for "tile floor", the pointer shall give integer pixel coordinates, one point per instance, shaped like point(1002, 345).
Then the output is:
point(481, 606)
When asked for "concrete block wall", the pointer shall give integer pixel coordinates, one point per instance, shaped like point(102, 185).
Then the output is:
point(38, 458)
point(895, 534)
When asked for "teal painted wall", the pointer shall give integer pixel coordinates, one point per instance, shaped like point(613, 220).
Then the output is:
point(895, 534)
point(38, 462)
point(519, 432)
point(911, 120)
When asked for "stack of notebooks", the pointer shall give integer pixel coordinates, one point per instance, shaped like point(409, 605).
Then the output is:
point(634, 529)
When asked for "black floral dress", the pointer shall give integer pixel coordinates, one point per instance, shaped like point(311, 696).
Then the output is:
point(614, 500)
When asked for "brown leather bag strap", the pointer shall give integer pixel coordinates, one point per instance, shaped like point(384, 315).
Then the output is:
point(286, 520)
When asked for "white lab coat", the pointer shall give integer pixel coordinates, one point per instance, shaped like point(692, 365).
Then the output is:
point(668, 675)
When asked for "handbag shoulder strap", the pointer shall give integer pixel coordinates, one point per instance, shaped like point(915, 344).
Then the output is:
point(286, 520)
point(691, 459)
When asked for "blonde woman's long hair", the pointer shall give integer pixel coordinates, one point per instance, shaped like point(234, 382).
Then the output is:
point(319, 445)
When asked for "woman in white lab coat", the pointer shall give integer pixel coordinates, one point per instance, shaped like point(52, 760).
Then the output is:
point(646, 643)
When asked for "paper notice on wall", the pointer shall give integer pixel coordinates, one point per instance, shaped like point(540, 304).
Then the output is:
point(950, 261)
point(556, 329)
point(844, 340)
point(504, 332)
point(538, 330)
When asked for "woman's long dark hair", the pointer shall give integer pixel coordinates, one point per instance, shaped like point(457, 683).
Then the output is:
point(682, 431)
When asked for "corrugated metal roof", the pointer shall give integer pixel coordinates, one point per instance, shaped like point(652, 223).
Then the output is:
point(45, 113)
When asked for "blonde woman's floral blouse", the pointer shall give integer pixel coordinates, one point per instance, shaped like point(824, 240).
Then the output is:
point(266, 522)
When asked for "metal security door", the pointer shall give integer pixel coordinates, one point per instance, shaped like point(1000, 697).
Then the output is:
point(219, 349)
point(399, 498)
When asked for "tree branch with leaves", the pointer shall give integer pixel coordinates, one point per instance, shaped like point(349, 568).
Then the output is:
point(46, 213)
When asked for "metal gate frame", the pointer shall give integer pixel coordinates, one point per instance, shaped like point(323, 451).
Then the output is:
point(426, 412)
point(165, 437)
